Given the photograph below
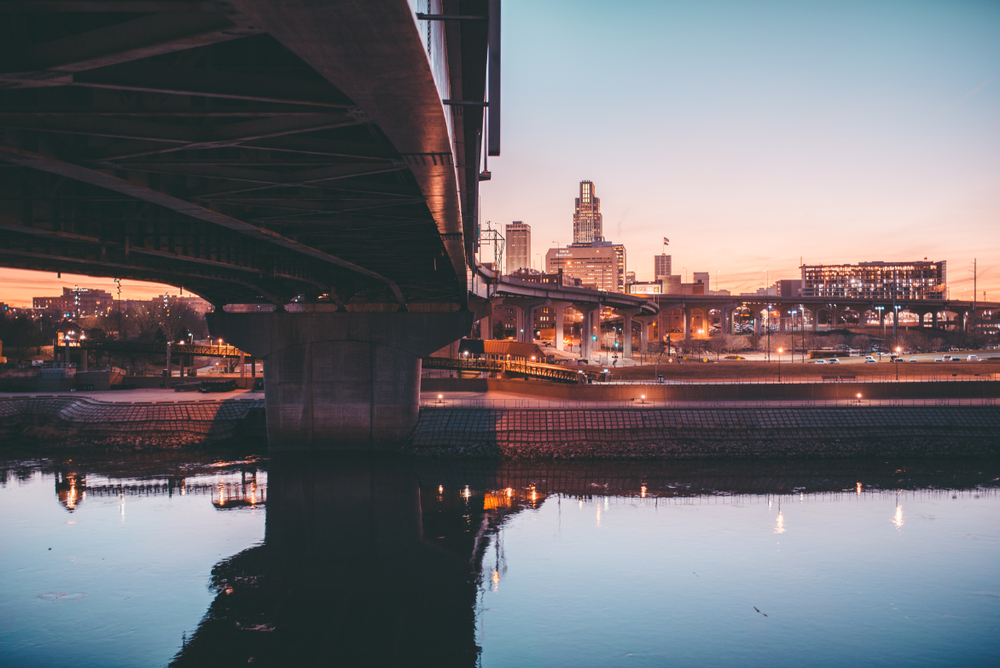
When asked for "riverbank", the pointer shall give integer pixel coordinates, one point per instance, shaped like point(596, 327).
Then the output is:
point(536, 428)
point(670, 433)
point(80, 421)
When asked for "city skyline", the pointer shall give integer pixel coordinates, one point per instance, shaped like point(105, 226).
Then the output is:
point(759, 137)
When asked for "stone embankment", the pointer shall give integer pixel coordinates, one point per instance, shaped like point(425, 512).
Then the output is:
point(84, 421)
point(708, 432)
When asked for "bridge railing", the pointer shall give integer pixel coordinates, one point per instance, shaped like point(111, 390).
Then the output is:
point(518, 367)
point(637, 403)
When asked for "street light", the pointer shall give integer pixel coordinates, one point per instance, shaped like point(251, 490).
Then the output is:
point(898, 349)
point(780, 350)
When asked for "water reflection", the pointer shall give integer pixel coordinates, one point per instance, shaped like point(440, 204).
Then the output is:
point(389, 562)
point(362, 564)
point(383, 562)
point(71, 488)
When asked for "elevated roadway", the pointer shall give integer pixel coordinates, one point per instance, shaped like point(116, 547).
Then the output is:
point(884, 309)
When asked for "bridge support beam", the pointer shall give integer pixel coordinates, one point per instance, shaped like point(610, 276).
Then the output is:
point(340, 380)
point(627, 315)
point(559, 309)
point(587, 330)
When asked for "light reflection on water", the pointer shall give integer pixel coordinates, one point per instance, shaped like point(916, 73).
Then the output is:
point(878, 578)
point(433, 563)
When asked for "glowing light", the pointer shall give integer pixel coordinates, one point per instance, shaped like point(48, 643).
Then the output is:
point(642, 492)
point(510, 492)
point(779, 526)
point(466, 493)
point(858, 489)
point(495, 578)
point(440, 489)
point(897, 517)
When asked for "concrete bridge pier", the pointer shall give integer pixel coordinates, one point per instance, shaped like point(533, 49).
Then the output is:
point(627, 315)
point(645, 322)
point(587, 329)
point(559, 309)
point(340, 380)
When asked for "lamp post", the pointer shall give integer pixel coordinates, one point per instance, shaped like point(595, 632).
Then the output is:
point(898, 349)
point(780, 350)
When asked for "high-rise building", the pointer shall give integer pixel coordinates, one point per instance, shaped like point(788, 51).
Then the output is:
point(588, 224)
point(518, 246)
point(661, 266)
point(876, 280)
point(600, 266)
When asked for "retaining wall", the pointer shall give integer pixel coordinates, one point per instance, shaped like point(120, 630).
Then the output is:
point(708, 432)
point(85, 417)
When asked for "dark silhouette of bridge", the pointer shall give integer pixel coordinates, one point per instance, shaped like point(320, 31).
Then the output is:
point(260, 152)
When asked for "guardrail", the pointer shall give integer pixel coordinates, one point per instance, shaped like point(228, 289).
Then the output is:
point(514, 367)
point(773, 380)
point(572, 404)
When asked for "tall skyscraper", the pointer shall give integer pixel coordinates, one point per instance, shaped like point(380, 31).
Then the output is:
point(518, 246)
point(588, 224)
point(661, 266)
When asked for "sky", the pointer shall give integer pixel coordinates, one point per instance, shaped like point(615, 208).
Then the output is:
point(754, 135)
point(757, 135)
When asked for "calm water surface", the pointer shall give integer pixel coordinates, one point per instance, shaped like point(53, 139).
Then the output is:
point(318, 561)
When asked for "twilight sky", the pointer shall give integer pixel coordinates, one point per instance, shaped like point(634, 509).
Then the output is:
point(755, 133)
point(749, 133)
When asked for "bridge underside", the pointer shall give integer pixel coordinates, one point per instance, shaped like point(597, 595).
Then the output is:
point(212, 146)
point(254, 151)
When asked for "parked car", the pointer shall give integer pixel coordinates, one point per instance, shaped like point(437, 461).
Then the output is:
point(820, 362)
point(834, 360)
point(870, 360)
point(911, 360)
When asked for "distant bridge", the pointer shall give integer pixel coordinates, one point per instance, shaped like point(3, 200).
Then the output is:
point(510, 367)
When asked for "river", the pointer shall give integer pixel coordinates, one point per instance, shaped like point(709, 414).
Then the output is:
point(193, 561)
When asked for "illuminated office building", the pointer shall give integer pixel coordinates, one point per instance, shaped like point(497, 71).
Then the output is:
point(876, 280)
point(518, 246)
point(600, 266)
point(588, 223)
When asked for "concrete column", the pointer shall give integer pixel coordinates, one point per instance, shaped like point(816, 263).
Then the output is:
point(587, 331)
point(627, 335)
point(815, 319)
point(921, 316)
point(687, 323)
point(486, 328)
point(340, 380)
point(559, 308)
point(84, 359)
point(934, 319)
point(627, 316)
